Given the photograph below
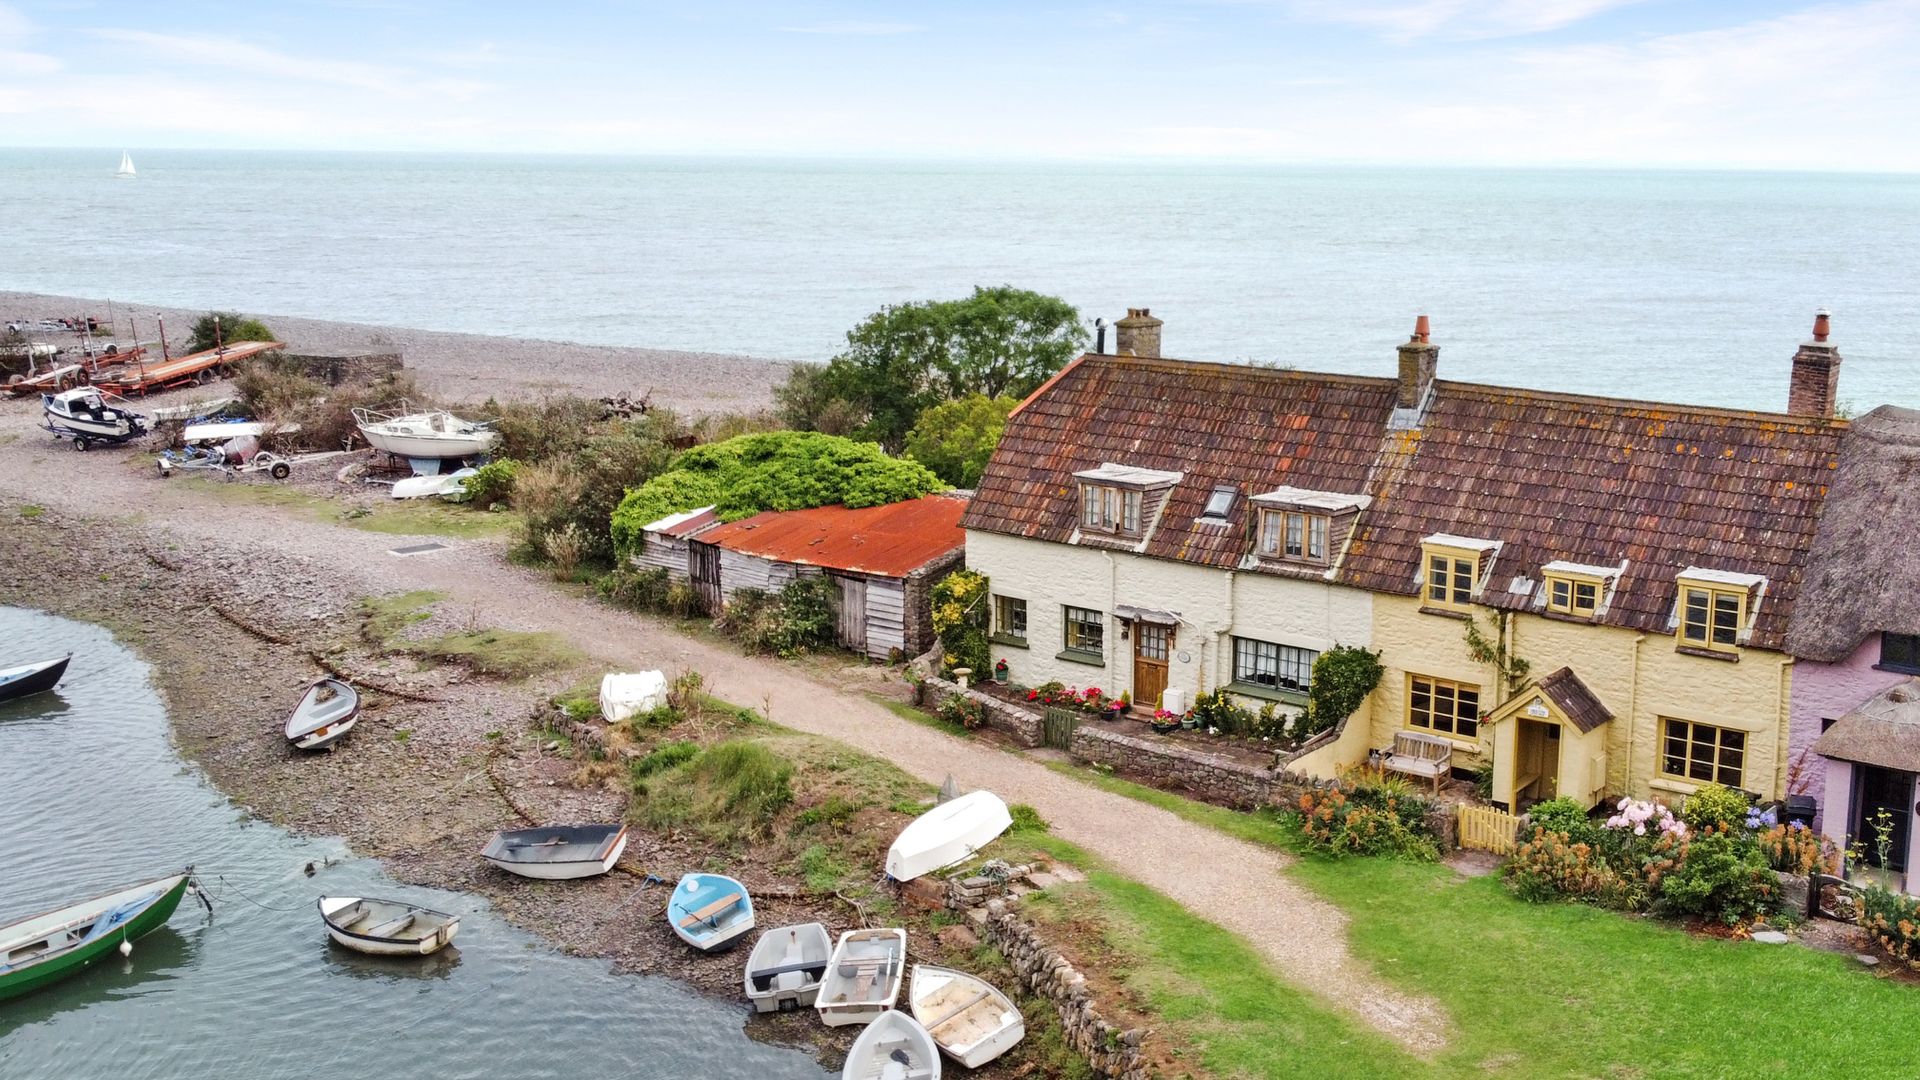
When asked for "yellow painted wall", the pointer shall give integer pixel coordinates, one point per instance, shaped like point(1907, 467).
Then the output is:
point(1641, 678)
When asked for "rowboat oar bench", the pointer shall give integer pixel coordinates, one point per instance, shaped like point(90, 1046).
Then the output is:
point(711, 911)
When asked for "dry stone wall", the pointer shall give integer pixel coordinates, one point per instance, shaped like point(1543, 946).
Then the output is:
point(1024, 726)
point(1111, 1051)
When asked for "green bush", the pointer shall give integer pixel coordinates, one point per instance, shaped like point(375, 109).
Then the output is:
point(1343, 676)
point(782, 470)
point(491, 484)
point(1217, 709)
point(634, 588)
point(583, 489)
point(547, 429)
point(225, 328)
point(1723, 877)
point(663, 757)
point(1715, 806)
point(955, 438)
point(1026, 819)
point(1892, 918)
point(1566, 816)
point(798, 619)
point(1334, 823)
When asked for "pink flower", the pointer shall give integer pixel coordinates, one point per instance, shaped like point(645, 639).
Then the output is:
point(1639, 830)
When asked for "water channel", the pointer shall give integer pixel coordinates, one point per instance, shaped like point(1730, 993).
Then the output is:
point(93, 796)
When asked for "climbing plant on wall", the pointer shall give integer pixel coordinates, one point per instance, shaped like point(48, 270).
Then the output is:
point(960, 619)
point(1343, 676)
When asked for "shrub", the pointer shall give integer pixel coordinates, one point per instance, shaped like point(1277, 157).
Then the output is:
point(1715, 806)
point(955, 438)
point(565, 546)
point(1026, 819)
point(1893, 919)
point(1334, 824)
point(781, 470)
point(547, 429)
point(663, 757)
point(224, 328)
point(1217, 709)
point(491, 484)
point(272, 390)
point(634, 588)
point(959, 603)
point(799, 618)
point(1343, 676)
point(1565, 816)
point(964, 711)
point(1795, 849)
point(1720, 876)
point(1552, 867)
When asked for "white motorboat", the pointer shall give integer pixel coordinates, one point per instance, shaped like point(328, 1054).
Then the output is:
point(425, 435)
point(327, 711)
point(557, 852)
point(971, 1021)
point(786, 967)
point(387, 927)
point(85, 414)
point(439, 484)
point(863, 976)
point(947, 834)
point(894, 1047)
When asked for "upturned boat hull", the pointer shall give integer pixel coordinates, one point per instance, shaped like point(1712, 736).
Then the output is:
point(27, 975)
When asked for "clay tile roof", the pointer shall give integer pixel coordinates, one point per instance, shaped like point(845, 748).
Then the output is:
point(1598, 481)
point(1884, 731)
point(1255, 428)
point(1566, 690)
point(1863, 575)
point(885, 541)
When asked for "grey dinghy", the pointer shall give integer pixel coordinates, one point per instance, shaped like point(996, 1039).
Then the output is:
point(327, 711)
point(557, 852)
point(787, 966)
point(387, 927)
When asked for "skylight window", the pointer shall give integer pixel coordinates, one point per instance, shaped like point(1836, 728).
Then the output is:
point(1220, 503)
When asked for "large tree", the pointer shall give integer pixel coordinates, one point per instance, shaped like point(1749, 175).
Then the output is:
point(907, 358)
point(955, 438)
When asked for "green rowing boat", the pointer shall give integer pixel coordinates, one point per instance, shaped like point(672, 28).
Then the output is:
point(47, 948)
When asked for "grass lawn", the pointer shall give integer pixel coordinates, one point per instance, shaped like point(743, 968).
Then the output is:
point(507, 654)
point(413, 517)
point(1552, 990)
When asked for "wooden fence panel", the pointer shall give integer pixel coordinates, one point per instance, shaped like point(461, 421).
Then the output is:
point(1059, 724)
point(1482, 828)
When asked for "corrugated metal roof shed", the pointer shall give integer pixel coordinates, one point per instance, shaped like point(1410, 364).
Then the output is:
point(886, 541)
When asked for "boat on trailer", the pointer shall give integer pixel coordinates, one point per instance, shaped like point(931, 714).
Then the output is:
point(427, 436)
point(387, 927)
point(48, 947)
point(710, 911)
point(327, 711)
point(894, 1047)
point(786, 967)
point(970, 1020)
point(84, 415)
point(947, 834)
point(557, 852)
point(863, 976)
point(29, 679)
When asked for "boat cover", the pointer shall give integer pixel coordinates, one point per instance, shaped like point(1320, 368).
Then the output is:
point(623, 696)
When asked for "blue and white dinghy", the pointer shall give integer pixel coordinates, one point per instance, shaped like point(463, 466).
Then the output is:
point(709, 911)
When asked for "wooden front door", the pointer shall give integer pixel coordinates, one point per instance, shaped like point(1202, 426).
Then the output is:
point(703, 566)
point(1877, 790)
point(853, 613)
point(1150, 644)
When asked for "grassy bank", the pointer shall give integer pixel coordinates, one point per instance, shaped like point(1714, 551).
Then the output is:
point(412, 517)
point(1554, 990)
point(396, 624)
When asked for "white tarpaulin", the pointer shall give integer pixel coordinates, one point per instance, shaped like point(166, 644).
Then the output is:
point(627, 695)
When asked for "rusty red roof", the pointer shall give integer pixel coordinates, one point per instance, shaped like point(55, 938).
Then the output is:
point(886, 541)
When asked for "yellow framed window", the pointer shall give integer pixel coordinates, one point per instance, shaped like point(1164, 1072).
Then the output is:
point(1702, 753)
point(1571, 595)
point(1711, 618)
point(1287, 534)
point(1443, 707)
point(1450, 579)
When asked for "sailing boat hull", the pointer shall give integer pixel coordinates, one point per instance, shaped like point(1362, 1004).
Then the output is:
point(27, 979)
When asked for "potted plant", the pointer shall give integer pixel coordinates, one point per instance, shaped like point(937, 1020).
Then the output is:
point(1000, 670)
point(1164, 722)
point(1190, 721)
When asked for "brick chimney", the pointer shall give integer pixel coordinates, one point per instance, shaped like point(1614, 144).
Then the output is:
point(1418, 360)
point(1816, 374)
point(1138, 334)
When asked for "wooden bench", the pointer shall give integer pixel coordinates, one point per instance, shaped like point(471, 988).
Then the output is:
point(1419, 754)
point(706, 914)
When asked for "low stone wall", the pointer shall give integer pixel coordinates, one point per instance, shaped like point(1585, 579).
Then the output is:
point(337, 368)
point(1208, 777)
point(1023, 725)
point(1111, 1051)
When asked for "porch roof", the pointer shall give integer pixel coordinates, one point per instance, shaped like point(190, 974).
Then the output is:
point(1883, 731)
point(1568, 695)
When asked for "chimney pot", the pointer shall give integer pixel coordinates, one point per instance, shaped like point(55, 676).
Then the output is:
point(1421, 329)
point(1820, 325)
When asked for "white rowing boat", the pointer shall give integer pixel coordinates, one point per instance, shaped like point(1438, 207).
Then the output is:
point(387, 927)
point(947, 834)
point(971, 1021)
point(863, 977)
point(786, 967)
point(894, 1047)
point(327, 711)
point(557, 852)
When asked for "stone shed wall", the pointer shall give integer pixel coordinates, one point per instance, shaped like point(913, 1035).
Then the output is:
point(334, 369)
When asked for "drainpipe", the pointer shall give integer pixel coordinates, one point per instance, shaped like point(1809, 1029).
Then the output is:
point(1783, 743)
point(1633, 712)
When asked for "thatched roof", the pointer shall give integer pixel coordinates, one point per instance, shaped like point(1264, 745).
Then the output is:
point(1863, 574)
point(1884, 732)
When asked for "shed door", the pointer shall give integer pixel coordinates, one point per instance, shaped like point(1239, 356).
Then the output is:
point(853, 613)
point(703, 566)
point(1150, 642)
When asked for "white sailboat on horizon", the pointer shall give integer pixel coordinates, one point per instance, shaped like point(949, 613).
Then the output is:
point(125, 172)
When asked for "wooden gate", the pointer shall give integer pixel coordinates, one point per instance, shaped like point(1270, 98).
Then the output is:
point(1483, 828)
point(703, 566)
point(1058, 725)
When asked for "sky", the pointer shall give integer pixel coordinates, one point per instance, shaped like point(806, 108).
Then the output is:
point(1682, 83)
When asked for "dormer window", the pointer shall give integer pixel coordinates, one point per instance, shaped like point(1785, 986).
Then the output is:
point(1299, 525)
point(1109, 509)
point(1713, 608)
point(1452, 568)
point(1577, 590)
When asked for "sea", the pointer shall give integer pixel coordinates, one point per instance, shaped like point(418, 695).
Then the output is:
point(1667, 285)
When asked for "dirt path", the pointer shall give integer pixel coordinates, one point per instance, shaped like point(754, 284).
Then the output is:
point(1235, 884)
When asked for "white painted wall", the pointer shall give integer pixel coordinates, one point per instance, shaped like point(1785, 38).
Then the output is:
point(1214, 606)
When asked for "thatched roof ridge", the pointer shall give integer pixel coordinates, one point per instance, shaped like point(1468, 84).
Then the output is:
point(1863, 573)
point(1884, 731)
